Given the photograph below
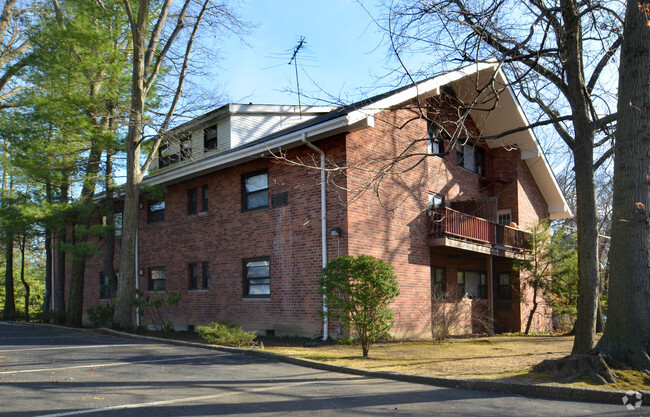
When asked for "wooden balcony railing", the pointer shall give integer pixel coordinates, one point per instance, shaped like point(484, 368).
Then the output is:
point(448, 222)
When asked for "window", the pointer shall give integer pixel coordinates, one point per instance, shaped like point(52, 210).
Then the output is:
point(205, 269)
point(472, 284)
point(155, 211)
point(436, 201)
point(255, 191)
point(164, 155)
point(434, 142)
point(193, 276)
point(438, 282)
point(504, 217)
point(210, 138)
point(471, 157)
point(204, 198)
point(504, 286)
point(185, 151)
point(157, 279)
point(257, 282)
point(117, 223)
point(192, 201)
point(104, 286)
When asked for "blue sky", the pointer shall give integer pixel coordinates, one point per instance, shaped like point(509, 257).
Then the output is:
point(343, 54)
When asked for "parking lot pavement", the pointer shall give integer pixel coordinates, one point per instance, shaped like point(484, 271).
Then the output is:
point(52, 371)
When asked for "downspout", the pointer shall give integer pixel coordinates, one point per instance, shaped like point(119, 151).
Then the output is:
point(323, 224)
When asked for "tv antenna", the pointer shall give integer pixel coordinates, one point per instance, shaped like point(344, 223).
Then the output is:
point(294, 60)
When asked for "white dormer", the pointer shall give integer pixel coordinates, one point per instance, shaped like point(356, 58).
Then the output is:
point(227, 128)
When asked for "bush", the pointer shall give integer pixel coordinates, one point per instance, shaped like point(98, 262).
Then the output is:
point(225, 334)
point(100, 316)
point(359, 291)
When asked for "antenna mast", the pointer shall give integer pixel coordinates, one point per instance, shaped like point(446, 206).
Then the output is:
point(294, 59)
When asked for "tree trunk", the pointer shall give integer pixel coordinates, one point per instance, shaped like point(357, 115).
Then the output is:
point(532, 312)
point(571, 53)
point(59, 279)
point(76, 298)
point(122, 316)
point(47, 306)
point(585, 325)
point(9, 310)
point(627, 335)
point(109, 240)
point(22, 276)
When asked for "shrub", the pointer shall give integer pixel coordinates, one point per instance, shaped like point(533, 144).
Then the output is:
point(359, 291)
point(225, 334)
point(101, 315)
point(154, 307)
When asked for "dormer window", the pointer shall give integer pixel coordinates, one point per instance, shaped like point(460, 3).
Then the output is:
point(210, 138)
point(164, 155)
point(185, 151)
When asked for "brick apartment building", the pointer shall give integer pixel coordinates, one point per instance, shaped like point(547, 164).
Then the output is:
point(241, 235)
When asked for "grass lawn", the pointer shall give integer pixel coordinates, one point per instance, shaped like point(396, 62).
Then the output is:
point(497, 357)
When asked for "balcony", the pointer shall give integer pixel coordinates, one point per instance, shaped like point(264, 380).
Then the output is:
point(456, 229)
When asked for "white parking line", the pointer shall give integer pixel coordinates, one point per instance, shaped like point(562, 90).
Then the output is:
point(176, 401)
point(112, 364)
point(75, 347)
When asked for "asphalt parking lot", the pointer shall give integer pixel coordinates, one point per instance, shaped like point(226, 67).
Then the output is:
point(51, 371)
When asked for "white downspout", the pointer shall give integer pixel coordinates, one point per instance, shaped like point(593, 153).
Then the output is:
point(323, 224)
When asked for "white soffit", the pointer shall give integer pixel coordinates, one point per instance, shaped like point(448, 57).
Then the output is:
point(494, 117)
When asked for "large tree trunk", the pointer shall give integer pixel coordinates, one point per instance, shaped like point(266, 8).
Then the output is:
point(122, 315)
point(571, 50)
point(585, 326)
point(627, 334)
point(9, 310)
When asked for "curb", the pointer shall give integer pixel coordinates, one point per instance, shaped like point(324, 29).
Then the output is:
point(545, 390)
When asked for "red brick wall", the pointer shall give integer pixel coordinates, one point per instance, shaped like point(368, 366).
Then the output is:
point(289, 235)
point(384, 216)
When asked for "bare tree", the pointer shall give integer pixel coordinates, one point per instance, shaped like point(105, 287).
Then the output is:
point(559, 57)
point(13, 44)
point(627, 334)
point(160, 35)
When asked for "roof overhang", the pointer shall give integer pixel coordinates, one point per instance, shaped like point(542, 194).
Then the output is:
point(496, 113)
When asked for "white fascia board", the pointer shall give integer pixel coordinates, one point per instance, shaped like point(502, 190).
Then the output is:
point(240, 155)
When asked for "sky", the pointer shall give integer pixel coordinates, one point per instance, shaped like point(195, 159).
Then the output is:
point(342, 56)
